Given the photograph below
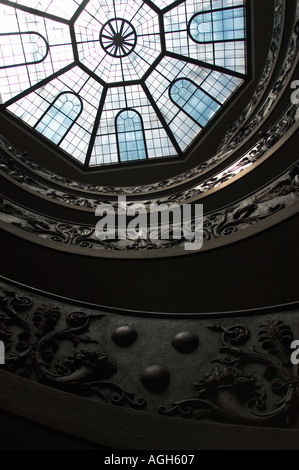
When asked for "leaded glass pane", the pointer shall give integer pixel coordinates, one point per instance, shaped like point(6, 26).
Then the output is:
point(130, 136)
point(60, 116)
point(72, 70)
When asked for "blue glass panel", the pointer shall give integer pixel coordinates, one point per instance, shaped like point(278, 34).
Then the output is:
point(37, 66)
point(222, 25)
point(201, 28)
point(130, 136)
point(22, 48)
point(60, 117)
point(194, 102)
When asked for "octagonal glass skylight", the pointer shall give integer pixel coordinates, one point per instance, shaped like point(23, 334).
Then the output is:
point(113, 81)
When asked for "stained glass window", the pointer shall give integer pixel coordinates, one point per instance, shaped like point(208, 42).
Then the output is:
point(111, 81)
point(130, 136)
point(59, 117)
point(218, 26)
point(22, 49)
point(195, 102)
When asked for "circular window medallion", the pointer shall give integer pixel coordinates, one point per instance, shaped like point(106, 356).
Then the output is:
point(118, 37)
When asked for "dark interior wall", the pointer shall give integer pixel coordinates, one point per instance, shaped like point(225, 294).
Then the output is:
point(19, 434)
point(256, 272)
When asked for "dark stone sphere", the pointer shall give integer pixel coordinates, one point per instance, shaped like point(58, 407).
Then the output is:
point(124, 336)
point(185, 342)
point(155, 378)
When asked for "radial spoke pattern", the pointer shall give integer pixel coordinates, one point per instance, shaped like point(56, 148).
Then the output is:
point(113, 81)
point(118, 37)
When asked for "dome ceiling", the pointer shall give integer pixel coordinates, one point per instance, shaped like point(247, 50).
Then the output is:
point(118, 81)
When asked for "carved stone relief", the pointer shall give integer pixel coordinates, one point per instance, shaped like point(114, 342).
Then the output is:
point(233, 370)
point(268, 70)
point(56, 349)
point(279, 195)
point(255, 385)
point(266, 142)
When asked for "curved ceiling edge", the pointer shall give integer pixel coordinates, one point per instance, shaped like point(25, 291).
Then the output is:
point(134, 190)
point(263, 209)
point(267, 145)
point(278, 30)
point(24, 161)
point(26, 290)
point(273, 139)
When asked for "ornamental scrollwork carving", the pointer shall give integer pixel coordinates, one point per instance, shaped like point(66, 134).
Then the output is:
point(233, 138)
point(249, 384)
point(266, 142)
point(12, 168)
point(268, 70)
point(34, 336)
point(282, 193)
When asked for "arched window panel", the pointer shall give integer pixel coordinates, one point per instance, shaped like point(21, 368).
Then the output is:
point(59, 117)
point(76, 141)
point(158, 143)
point(33, 106)
point(130, 136)
point(18, 49)
point(17, 79)
point(168, 129)
point(195, 29)
point(218, 85)
point(220, 25)
point(63, 9)
point(201, 28)
point(183, 127)
point(193, 101)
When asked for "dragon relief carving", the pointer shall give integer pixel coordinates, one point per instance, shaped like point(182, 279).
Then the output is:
point(33, 338)
point(253, 386)
point(251, 381)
